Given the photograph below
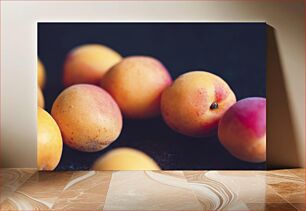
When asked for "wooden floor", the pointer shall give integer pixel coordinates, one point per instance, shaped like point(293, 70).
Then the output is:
point(27, 189)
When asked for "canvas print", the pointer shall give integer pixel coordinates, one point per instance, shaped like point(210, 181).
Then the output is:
point(151, 96)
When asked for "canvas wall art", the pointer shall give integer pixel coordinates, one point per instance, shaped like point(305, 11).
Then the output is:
point(151, 96)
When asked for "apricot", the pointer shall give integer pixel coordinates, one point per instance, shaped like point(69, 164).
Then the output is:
point(125, 159)
point(40, 98)
point(242, 129)
point(136, 83)
point(41, 74)
point(88, 63)
point(49, 141)
point(88, 117)
point(195, 102)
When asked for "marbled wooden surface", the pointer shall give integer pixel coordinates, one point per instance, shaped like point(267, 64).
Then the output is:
point(27, 189)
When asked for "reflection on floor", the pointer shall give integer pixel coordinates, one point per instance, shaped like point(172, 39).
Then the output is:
point(27, 189)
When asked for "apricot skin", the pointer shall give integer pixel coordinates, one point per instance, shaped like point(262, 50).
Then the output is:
point(49, 141)
point(242, 130)
point(195, 102)
point(125, 159)
point(88, 117)
point(136, 83)
point(88, 63)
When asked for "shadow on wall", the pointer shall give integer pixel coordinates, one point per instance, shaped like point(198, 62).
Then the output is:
point(281, 139)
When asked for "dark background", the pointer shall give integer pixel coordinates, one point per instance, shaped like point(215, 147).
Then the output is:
point(234, 51)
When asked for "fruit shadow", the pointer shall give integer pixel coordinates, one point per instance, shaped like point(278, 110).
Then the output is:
point(281, 140)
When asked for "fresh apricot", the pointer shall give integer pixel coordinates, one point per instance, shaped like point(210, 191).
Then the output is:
point(88, 117)
point(88, 63)
point(195, 102)
point(125, 159)
point(40, 98)
point(49, 141)
point(41, 74)
point(136, 83)
point(242, 129)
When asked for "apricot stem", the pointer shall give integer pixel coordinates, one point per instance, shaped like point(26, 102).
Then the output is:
point(214, 105)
